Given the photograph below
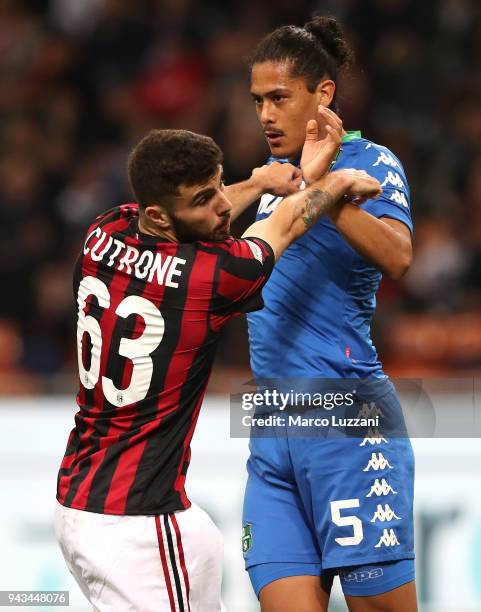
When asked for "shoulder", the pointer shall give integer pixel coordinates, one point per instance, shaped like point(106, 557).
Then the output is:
point(377, 157)
point(241, 248)
point(123, 211)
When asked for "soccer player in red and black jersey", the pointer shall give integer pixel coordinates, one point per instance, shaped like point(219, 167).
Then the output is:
point(155, 283)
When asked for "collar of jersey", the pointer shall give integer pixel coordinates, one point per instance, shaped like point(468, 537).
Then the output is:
point(348, 137)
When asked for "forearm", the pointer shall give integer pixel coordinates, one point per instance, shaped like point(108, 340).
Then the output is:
point(299, 212)
point(308, 206)
point(276, 178)
point(373, 238)
point(243, 194)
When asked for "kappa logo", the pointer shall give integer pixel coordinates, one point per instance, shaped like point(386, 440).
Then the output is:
point(393, 178)
point(377, 462)
point(400, 198)
point(388, 538)
point(387, 159)
point(373, 437)
point(384, 514)
point(370, 411)
point(247, 539)
point(362, 575)
point(268, 204)
point(381, 488)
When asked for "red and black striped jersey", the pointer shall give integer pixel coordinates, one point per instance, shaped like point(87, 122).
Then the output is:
point(150, 312)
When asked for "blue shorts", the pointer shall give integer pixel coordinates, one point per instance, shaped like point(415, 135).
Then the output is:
point(361, 580)
point(332, 503)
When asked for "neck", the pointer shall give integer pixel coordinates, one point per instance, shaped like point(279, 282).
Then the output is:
point(151, 229)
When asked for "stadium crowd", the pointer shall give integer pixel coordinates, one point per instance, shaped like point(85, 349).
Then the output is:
point(82, 80)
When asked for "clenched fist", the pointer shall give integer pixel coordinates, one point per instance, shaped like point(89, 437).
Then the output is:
point(278, 179)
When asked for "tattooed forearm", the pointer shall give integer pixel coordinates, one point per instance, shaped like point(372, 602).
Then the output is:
point(316, 204)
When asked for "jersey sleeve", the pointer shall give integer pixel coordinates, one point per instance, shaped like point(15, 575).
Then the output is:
point(243, 269)
point(394, 202)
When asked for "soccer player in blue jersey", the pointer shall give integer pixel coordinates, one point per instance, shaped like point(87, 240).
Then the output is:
point(320, 506)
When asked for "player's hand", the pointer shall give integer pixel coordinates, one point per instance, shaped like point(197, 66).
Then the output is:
point(361, 186)
point(278, 179)
point(317, 155)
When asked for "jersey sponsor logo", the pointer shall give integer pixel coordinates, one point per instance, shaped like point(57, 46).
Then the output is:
point(387, 159)
point(381, 488)
point(373, 436)
point(377, 462)
point(400, 198)
point(393, 178)
point(268, 204)
point(256, 250)
point(361, 575)
point(247, 539)
point(370, 411)
point(388, 538)
point(384, 514)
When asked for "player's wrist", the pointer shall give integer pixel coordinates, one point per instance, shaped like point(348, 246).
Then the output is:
point(336, 183)
point(259, 180)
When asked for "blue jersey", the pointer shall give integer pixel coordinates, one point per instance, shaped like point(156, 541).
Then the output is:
point(321, 296)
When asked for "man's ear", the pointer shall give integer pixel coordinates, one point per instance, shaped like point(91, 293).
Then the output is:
point(158, 216)
point(325, 91)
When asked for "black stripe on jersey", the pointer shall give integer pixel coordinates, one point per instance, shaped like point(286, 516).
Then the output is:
point(162, 495)
point(115, 367)
point(107, 276)
point(88, 393)
point(242, 267)
point(203, 361)
point(161, 357)
point(155, 447)
point(111, 214)
point(215, 249)
point(175, 571)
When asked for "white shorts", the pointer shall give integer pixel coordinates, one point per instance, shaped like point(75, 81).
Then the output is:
point(166, 563)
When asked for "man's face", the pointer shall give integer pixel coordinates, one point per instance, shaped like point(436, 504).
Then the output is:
point(284, 105)
point(202, 212)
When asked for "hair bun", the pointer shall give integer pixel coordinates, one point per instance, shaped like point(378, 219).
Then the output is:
point(329, 33)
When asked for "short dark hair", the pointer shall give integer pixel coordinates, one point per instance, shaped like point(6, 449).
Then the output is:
point(166, 159)
point(314, 51)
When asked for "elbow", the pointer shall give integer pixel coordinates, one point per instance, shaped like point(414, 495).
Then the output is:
point(399, 267)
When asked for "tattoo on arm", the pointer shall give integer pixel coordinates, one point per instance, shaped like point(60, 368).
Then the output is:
point(316, 204)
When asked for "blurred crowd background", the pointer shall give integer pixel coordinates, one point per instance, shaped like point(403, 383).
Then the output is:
point(82, 80)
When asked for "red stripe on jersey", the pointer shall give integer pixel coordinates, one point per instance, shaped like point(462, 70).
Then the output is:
point(124, 476)
point(90, 268)
point(165, 567)
point(179, 484)
point(203, 271)
point(80, 499)
point(236, 247)
point(234, 288)
point(225, 245)
point(181, 557)
point(126, 469)
point(108, 321)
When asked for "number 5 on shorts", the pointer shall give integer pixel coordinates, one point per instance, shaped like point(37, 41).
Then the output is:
point(343, 521)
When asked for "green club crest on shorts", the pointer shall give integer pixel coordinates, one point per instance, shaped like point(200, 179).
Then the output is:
point(246, 537)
